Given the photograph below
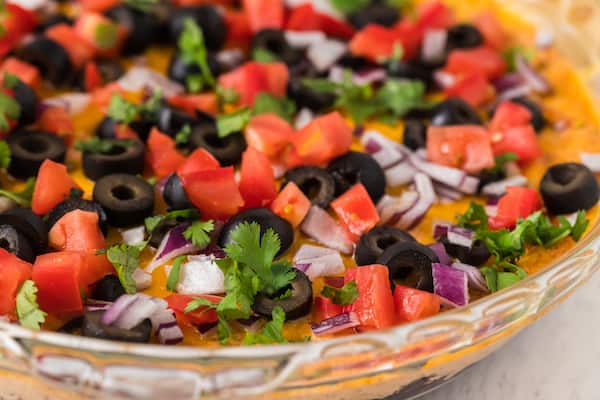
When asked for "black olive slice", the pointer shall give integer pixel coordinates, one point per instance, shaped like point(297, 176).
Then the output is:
point(93, 327)
point(274, 41)
point(27, 100)
point(179, 70)
point(476, 255)
point(316, 183)
point(28, 223)
point(373, 243)
point(76, 203)
point(208, 18)
point(376, 13)
point(124, 156)
point(454, 111)
point(227, 150)
point(174, 194)
point(108, 288)
point(355, 167)
point(141, 27)
point(410, 264)
point(415, 134)
point(297, 305)
point(50, 57)
point(17, 243)
point(463, 36)
point(29, 149)
point(126, 199)
point(569, 187)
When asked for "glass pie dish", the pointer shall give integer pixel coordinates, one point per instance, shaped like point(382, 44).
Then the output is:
point(407, 360)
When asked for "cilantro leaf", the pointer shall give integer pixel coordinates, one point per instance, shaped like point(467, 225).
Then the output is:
point(9, 110)
point(121, 110)
point(474, 218)
point(193, 50)
point(349, 6)
point(233, 122)
point(272, 332)
point(28, 310)
point(198, 233)
point(150, 107)
point(96, 145)
point(580, 225)
point(10, 80)
point(198, 302)
point(241, 286)
point(126, 259)
point(173, 278)
point(142, 5)
point(5, 155)
point(152, 222)
point(22, 198)
point(106, 35)
point(267, 103)
point(401, 96)
point(183, 136)
point(262, 55)
point(510, 55)
point(343, 296)
point(226, 96)
point(501, 161)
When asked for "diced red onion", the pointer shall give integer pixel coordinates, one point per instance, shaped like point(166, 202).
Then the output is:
point(374, 141)
point(213, 250)
point(441, 252)
point(138, 78)
point(537, 82)
point(230, 58)
point(74, 103)
point(143, 280)
point(369, 76)
point(171, 335)
point(336, 74)
point(320, 226)
point(392, 208)
point(319, 261)
point(447, 193)
point(372, 146)
point(447, 303)
point(474, 276)
point(173, 245)
point(440, 229)
point(443, 79)
point(336, 324)
point(310, 251)
point(97, 305)
point(324, 54)
point(498, 188)
point(334, 281)
point(400, 174)
point(304, 39)
point(302, 266)
point(162, 319)
point(118, 308)
point(303, 117)
point(450, 284)
point(434, 45)
point(591, 160)
point(143, 307)
point(491, 211)
point(279, 170)
point(460, 236)
point(508, 81)
point(133, 236)
point(469, 185)
point(201, 275)
point(32, 4)
point(452, 177)
point(513, 93)
point(427, 198)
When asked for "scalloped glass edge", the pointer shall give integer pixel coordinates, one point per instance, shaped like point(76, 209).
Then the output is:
point(408, 359)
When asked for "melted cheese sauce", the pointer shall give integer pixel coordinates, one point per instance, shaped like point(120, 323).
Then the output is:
point(569, 102)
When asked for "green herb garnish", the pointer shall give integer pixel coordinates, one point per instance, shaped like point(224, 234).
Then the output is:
point(343, 296)
point(193, 51)
point(142, 5)
point(262, 55)
point(106, 35)
point(198, 232)
point(187, 214)
point(96, 145)
point(22, 198)
point(9, 110)
point(173, 278)
point(183, 136)
point(126, 259)
point(267, 103)
point(121, 110)
point(28, 311)
point(233, 122)
point(5, 156)
point(500, 162)
point(272, 332)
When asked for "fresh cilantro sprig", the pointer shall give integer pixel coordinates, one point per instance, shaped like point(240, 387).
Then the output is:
point(5, 155)
point(126, 259)
point(121, 110)
point(106, 35)
point(186, 214)
point(272, 332)
point(9, 107)
point(268, 103)
point(183, 136)
point(198, 232)
point(233, 122)
point(96, 145)
point(23, 197)
point(28, 311)
point(142, 5)
point(343, 296)
point(193, 51)
point(173, 278)
point(262, 55)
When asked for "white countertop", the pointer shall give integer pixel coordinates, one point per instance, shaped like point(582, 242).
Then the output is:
point(557, 358)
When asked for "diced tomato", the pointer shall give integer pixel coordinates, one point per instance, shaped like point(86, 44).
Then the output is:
point(509, 115)
point(520, 140)
point(27, 73)
point(56, 119)
point(268, 133)
point(102, 34)
point(80, 51)
point(414, 304)
point(474, 89)
point(97, 5)
point(492, 31)
point(324, 308)
point(356, 211)
point(16, 23)
point(178, 303)
point(57, 277)
point(191, 103)
point(434, 15)
point(77, 230)
point(214, 192)
point(335, 27)
point(53, 185)
point(517, 203)
point(264, 14)
point(410, 36)
point(13, 272)
point(375, 303)
point(291, 204)
point(199, 160)
point(124, 131)
point(94, 267)
point(92, 79)
point(252, 78)
point(477, 61)
point(463, 146)
point(239, 32)
point(306, 18)
point(161, 154)
point(319, 142)
point(101, 96)
point(201, 2)
point(375, 42)
point(257, 181)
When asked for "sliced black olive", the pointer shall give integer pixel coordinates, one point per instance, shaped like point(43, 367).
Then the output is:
point(108, 288)
point(316, 183)
point(463, 36)
point(454, 111)
point(29, 149)
point(16, 242)
point(273, 40)
point(93, 327)
point(476, 255)
point(28, 223)
point(124, 156)
point(159, 232)
point(27, 100)
point(141, 27)
point(266, 219)
point(489, 176)
point(107, 128)
point(179, 70)
point(537, 116)
point(410, 70)
point(50, 57)
point(380, 14)
point(52, 20)
point(171, 120)
point(208, 18)
point(297, 305)
point(415, 134)
point(305, 97)
point(71, 326)
point(373, 243)
point(569, 187)
point(175, 195)
point(354, 62)
point(355, 167)
point(126, 199)
point(76, 203)
point(410, 264)
point(227, 150)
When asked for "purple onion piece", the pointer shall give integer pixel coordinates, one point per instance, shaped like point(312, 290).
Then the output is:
point(118, 308)
point(335, 324)
point(440, 251)
point(171, 335)
point(452, 177)
point(302, 266)
point(249, 321)
point(143, 307)
point(460, 236)
point(173, 245)
point(427, 198)
point(508, 81)
point(440, 230)
point(204, 328)
point(498, 188)
point(320, 226)
point(450, 284)
point(537, 82)
point(474, 276)
point(213, 250)
point(372, 146)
